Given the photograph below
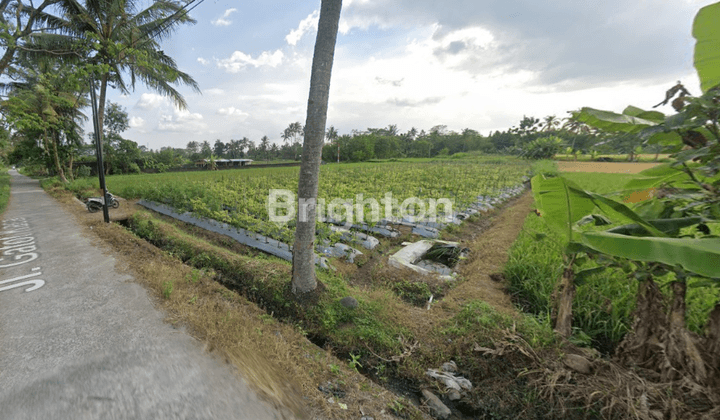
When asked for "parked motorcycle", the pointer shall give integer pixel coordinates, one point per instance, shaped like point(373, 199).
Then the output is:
point(95, 204)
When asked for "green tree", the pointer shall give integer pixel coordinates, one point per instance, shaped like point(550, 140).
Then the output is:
point(18, 20)
point(125, 41)
point(219, 148)
point(265, 146)
point(46, 104)
point(192, 147)
point(303, 280)
point(205, 149)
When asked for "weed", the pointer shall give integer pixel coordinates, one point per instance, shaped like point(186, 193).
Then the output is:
point(334, 369)
point(267, 318)
point(398, 408)
point(194, 276)
point(354, 362)
point(167, 289)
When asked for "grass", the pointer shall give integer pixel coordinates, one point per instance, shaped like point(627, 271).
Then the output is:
point(373, 324)
point(4, 189)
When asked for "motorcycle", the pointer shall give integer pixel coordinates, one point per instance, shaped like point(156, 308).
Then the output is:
point(95, 204)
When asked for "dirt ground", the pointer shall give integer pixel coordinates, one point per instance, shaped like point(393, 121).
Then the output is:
point(606, 167)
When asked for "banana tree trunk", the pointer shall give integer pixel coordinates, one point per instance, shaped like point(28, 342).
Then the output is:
point(565, 294)
point(682, 353)
point(712, 344)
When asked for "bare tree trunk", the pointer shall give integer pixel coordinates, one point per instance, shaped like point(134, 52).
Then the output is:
point(303, 280)
point(70, 166)
point(56, 160)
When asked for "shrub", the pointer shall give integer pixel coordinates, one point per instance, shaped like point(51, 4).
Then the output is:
point(82, 171)
point(543, 148)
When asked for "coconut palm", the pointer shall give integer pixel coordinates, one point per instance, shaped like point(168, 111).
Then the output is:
point(303, 279)
point(551, 123)
point(125, 41)
point(18, 20)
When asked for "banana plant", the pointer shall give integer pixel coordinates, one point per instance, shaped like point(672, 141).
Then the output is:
point(566, 207)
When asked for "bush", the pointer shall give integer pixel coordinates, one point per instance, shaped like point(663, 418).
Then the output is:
point(543, 148)
point(133, 168)
point(83, 172)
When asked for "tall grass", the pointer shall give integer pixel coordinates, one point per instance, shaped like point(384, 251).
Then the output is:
point(4, 189)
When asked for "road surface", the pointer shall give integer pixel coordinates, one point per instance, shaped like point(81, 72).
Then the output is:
point(80, 341)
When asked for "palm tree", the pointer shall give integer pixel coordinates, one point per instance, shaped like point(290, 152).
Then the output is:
point(286, 135)
point(205, 149)
point(265, 146)
point(331, 135)
point(126, 41)
point(551, 122)
point(19, 20)
point(303, 280)
point(234, 149)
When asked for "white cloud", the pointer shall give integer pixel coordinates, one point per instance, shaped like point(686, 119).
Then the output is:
point(136, 122)
point(305, 26)
point(239, 60)
point(150, 101)
point(182, 121)
point(233, 112)
point(214, 91)
point(202, 61)
point(223, 21)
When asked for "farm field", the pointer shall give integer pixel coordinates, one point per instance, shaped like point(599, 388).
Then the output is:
point(240, 197)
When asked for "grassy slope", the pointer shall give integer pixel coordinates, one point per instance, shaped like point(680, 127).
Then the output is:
point(4, 189)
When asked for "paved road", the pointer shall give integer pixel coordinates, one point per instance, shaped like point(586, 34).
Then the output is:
point(79, 341)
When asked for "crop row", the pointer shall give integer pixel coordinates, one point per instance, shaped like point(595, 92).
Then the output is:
point(240, 197)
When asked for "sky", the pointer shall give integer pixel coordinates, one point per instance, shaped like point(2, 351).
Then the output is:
point(416, 63)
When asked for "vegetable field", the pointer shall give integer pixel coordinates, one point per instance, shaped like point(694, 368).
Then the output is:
point(239, 197)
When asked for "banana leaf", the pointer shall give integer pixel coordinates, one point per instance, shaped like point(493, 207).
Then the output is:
point(562, 203)
point(611, 121)
point(706, 31)
point(698, 256)
point(670, 227)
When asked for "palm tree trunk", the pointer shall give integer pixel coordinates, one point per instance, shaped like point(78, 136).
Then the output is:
point(303, 280)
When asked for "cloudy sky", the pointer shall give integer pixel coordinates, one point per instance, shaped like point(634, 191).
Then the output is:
point(416, 63)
